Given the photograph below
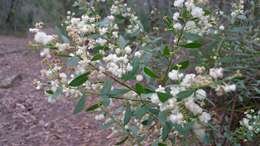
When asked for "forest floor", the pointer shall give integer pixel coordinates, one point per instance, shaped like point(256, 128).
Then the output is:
point(26, 118)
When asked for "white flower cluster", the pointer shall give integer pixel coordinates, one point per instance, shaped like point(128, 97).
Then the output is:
point(195, 101)
point(93, 41)
point(200, 25)
point(251, 122)
point(117, 65)
point(101, 48)
point(43, 38)
point(238, 8)
point(191, 103)
point(119, 7)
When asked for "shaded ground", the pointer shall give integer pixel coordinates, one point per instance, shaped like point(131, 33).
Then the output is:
point(26, 118)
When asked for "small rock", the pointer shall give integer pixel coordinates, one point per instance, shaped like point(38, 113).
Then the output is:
point(9, 81)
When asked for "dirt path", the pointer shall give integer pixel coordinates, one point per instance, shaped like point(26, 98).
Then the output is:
point(26, 118)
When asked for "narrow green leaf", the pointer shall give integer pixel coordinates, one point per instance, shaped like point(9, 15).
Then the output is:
point(122, 41)
point(162, 117)
point(106, 88)
point(182, 65)
point(140, 111)
point(80, 105)
point(168, 21)
point(128, 115)
point(94, 107)
point(149, 72)
point(162, 144)
point(164, 96)
point(192, 45)
point(72, 61)
point(118, 92)
point(166, 130)
point(139, 88)
point(185, 94)
point(122, 141)
point(61, 35)
point(50, 92)
point(105, 101)
point(166, 51)
point(81, 79)
point(131, 75)
point(99, 47)
point(97, 57)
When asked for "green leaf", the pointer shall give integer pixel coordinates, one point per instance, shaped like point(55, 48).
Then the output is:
point(131, 75)
point(61, 35)
point(106, 88)
point(97, 57)
point(105, 101)
point(72, 61)
point(162, 117)
point(140, 111)
point(149, 72)
point(80, 105)
point(122, 42)
point(100, 47)
point(139, 88)
point(166, 51)
point(128, 114)
point(164, 96)
point(166, 130)
point(192, 45)
point(81, 79)
point(94, 107)
point(184, 94)
point(50, 92)
point(169, 23)
point(162, 144)
point(182, 65)
point(118, 92)
point(122, 141)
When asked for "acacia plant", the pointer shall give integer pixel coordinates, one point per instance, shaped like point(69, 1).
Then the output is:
point(146, 89)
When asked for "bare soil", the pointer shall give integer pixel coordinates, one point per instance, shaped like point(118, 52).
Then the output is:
point(26, 118)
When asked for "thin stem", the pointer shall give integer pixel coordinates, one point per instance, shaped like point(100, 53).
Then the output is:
point(121, 98)
point(114, 78)
point(172, 57)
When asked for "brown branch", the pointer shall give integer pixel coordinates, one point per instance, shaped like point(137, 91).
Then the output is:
point(114, 78)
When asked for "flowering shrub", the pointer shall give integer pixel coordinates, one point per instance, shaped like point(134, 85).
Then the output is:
point(145, 95)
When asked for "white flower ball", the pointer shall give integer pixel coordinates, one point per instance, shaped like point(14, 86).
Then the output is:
point(201, 94)
point(178, 3)
point(221, 27)
point(205, 117)
point(139, 78)
point(128, 50)
point(216, 72)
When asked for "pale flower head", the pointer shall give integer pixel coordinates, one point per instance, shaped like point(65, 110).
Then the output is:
point(216, 72)
point(139, 78)
point(230, 88)
point(176, 118)
point(178, 3)
point(176, 16)
point(201, 94)
point(43, 38)
point(177, 26)
point(205, 117)
point(175, 75)
point(197, 12)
